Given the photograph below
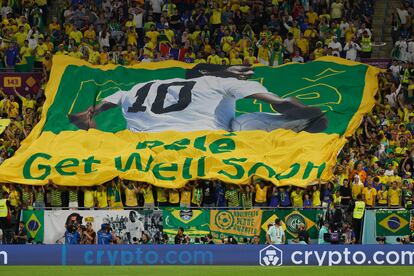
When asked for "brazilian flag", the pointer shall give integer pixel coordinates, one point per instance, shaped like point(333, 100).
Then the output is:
point(393, 222)
point(194, 222)
point(34, 223)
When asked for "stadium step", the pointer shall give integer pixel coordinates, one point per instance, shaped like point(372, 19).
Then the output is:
point(381, 27)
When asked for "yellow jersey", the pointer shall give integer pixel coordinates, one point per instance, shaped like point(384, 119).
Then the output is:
point(369, 195)
point(173, 196)
point(261, 194)
point(102, 199)
point(185, 197)
point(130, 197)
point(394, 197)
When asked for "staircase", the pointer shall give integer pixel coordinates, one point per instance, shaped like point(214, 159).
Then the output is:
point(381, 27)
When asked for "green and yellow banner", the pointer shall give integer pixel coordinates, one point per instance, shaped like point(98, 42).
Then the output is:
point(34, 223)
point(194, 222)
point(4, 123)
point(393, 222)
point(242, 225)
point(291, 219)
point(167, 123)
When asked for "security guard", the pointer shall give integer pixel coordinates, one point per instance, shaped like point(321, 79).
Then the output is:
point(358, 214)
point(4, 210)
point(366, 45)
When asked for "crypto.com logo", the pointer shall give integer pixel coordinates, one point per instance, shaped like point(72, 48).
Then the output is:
point(271, 255)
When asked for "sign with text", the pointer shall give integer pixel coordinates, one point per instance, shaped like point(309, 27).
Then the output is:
point(167, 123)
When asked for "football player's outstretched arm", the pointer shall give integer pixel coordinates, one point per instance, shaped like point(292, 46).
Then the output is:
point(85, 119)
point(290, 107)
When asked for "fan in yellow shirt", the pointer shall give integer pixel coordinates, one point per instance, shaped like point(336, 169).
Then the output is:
point(20, 36)
point(89, 197)
point(40, 49)
point(169, 33)
point(25, 51)
point(162, 195)
point(382, 196)
point(68, 28)
point(76, 35)
point(54, 26)
point(319, 51)
point(149, 47)
point(75, 53)
point(261, 192)
point(223, 59)
point(146, 191)
point(185, 199)
point(236, 60)
point(226, 42)
point(94, 55)
point(316, 196)
point(303, 45)
point(153, 35)
point(297, 197)
point(90, 33)
point(394, 195)
point(200, 58)
point(369, 194)
point(130, 191)
point(132, 37)
point(215, 18)
point(104, 56)
point(174, 197)
point(27, 102)
point(101, 197)
point(250, 59)
point(311, 16)
point(213, 58)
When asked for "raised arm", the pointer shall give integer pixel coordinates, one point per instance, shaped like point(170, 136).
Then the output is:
point(85, 119)
point(290, 107)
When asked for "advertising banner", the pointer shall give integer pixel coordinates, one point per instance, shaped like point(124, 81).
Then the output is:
point(241, 225)
point(167, 123)
point(24, 83)
point(252, 255)
point(126, 225)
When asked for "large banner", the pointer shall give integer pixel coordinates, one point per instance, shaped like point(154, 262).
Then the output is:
point(291, 219)
point(242, 225)
point(127, 225)
point(167, 123)
point(194, 222)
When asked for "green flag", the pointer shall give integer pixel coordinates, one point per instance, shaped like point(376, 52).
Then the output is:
point(34, 223)
point(194, 222)
point(392, 222)
point(290, 222)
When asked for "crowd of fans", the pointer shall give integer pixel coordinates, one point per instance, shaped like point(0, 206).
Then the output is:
point(377, 164)
point(218, 32)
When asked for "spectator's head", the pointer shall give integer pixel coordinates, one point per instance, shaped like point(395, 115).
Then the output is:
point(277, 222)
point(180, 231)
